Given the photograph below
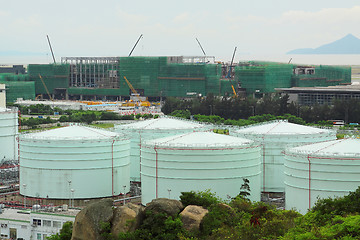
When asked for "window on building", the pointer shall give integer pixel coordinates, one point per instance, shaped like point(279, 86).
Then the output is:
point(44, 236)
point(46, 223)
point(57, 224)
point(38, 236)
point(37, 222)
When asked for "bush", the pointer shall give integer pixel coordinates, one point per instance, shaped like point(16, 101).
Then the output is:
point(200, 198)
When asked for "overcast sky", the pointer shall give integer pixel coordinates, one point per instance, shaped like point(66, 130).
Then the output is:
point(111, 27)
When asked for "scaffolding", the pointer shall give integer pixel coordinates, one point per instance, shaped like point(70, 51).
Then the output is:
point(263, 77)
point(93, 72)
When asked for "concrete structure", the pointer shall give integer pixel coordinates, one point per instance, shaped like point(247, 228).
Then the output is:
point(199, 161)
point(75, 162)
point(274, 138)
point(150, 129)
point(321, 170)
point(321, 95)
point(26, 225)
point(8, 134)
point(64, 105)
point(2, 96)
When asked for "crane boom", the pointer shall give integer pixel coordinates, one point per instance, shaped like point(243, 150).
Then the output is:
point(135, 45)
point(52, 53)
point(46, 89)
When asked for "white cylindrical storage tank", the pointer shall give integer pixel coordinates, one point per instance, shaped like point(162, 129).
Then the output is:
point(74, 162)
point(140, 131)
point(199, 161)
point(274, 138)
point(8, 134)
point(321, 170)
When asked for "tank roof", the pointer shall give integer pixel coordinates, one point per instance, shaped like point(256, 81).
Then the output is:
point(279, 128)
point(73, 132)
point(200, 139)
point(342, 147)
point(162, 123)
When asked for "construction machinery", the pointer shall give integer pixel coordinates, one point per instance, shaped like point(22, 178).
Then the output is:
point(137, 95)
point(46, 89)
point(229, 75)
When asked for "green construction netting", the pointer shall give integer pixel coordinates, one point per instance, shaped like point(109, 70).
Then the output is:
point(264, 77)
point(142, 73)
point(19, 89)
point(323, 76)
point(94, 91)
point(54, 76)
point(226, 89)
point(17, 86)
point(156, 77)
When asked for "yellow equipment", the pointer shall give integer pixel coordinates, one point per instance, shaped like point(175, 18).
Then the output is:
point(232, 86)
point(47, 90)
point(137, 95)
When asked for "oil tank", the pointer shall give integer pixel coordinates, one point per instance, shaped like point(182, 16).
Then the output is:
point(76, 162)
point(8, 134)
point(199, 161)
point(275, 137)
point(140, 131)
point(321, 170)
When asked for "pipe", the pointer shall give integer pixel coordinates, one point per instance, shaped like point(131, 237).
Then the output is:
point(112, 167)
point(156, 171)
point(308, 157)
point(264, 181)
point(140, 153)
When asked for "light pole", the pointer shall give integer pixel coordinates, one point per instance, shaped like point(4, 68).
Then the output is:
point(73, 197)
point(169, 190)
point(124, 194)
point(24, 185)
point(69, 181)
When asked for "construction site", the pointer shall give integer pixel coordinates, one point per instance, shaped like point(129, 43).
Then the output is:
point(155, 78)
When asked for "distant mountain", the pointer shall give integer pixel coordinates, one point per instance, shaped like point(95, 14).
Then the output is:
point(346, 45)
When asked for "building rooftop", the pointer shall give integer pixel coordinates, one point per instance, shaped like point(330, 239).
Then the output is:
point(337, 89)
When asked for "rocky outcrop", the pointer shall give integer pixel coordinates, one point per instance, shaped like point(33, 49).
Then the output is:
point(192, 216)
point(87, 221)
point(126, 218)
point(171, 207)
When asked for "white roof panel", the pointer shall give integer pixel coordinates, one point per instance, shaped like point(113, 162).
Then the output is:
point(280, 127)
point(72, 132)
point(162, 123)
point(200, 139)
point(341, 147)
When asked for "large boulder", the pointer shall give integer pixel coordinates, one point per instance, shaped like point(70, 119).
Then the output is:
point(126, 219)
point(163, 205)
point(88, 220)
point(192, 216)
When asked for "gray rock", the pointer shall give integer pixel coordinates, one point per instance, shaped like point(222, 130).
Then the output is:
point(126, 219)
point(87, 222)
point(192, 216)
point(163, 205)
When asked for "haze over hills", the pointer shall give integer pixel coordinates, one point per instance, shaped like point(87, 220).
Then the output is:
point(346, 45)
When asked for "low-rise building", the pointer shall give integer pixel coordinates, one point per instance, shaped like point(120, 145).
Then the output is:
point(33, 225)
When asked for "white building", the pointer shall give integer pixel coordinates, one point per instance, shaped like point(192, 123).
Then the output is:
point(32, 225)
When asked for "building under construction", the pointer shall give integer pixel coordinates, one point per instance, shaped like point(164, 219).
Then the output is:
point(102, 78)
